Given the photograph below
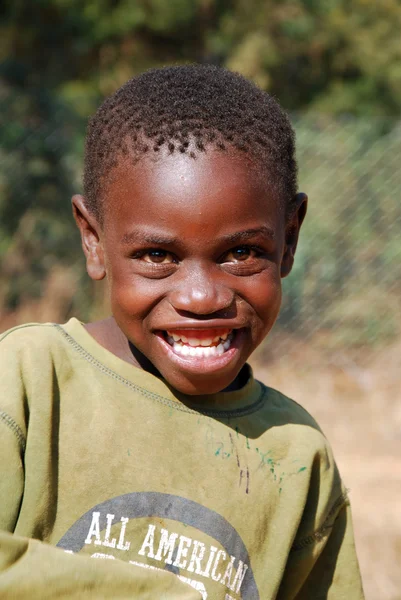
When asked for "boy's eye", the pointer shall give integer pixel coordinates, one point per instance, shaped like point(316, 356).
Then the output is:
point(158, 257)
point(239, 254)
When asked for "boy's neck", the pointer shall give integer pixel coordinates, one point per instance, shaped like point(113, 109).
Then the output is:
point(109, 335)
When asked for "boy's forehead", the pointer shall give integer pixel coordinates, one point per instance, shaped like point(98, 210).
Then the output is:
point(181, 174)
point(214, 185)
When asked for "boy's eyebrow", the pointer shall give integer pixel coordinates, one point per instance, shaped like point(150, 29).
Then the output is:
point(145, 238)
point(242, 236)
point(165, 240)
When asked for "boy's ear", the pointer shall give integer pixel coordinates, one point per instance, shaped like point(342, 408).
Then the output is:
point(292, 233)
point(90, 236)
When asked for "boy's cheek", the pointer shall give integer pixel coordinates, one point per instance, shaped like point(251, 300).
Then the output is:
point(265, 297)
point(132, 296)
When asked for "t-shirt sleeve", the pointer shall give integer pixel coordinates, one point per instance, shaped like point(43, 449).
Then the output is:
point(322, 563)
point(335, 574)
point(12, 434)
point(30, 569)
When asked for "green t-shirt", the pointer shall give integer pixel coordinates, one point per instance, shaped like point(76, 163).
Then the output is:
point(147, 493)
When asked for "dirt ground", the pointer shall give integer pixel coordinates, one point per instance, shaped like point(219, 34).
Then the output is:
point(359, 410)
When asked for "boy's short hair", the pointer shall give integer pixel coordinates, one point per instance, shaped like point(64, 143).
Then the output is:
point(188, 109)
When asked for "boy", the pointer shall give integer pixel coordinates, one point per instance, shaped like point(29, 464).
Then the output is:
point(143, 440)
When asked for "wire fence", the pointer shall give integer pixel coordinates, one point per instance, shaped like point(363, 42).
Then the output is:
point(345, 288)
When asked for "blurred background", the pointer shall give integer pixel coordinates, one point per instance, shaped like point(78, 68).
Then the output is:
point(336, 67)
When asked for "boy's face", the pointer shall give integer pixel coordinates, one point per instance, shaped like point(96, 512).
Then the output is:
point(194, 252)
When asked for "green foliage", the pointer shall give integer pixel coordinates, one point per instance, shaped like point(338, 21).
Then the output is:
point(59, 58)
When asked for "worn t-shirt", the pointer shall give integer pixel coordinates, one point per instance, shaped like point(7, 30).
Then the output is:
point(114, 485)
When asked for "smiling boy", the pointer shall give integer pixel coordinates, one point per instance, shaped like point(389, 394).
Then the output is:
point(143, 440)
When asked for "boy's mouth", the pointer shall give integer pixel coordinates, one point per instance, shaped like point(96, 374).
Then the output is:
point(202, 343)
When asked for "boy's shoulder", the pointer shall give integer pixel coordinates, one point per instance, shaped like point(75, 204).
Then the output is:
point(290, 428)
point(292, 440)
point(27, 358)
point(282, 409)
point(31, 337)
point(27, 331)
point(33, 344)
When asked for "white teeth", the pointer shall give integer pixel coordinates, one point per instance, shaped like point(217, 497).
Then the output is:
point(193, 341)
point(206, 342)
point(176, 337)
point(184, 339)
point(199, 351)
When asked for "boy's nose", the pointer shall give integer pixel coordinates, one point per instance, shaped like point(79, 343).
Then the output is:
point(201, 295)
